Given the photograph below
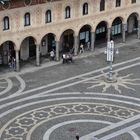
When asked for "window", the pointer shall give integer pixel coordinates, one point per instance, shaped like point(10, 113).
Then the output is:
point(133, 1)
point(85, 9)
point(118, 3)
point(102, 5)
point(27, 19)
point(6, 23)
point(48, 16)
point(67, 12)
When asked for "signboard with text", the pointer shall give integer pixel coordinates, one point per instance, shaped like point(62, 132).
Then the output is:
point(110, 51)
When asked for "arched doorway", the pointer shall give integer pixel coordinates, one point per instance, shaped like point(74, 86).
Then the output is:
point(28, 49)
point(132, 24)
point(6, 52)
point(116, 32)
point(47, 44)
point(67, 41)
point(85, 35)
point(101, 33)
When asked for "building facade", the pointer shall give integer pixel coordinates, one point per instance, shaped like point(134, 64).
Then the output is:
point(32, 28)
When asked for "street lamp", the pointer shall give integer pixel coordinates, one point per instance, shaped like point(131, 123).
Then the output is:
point(110, 52)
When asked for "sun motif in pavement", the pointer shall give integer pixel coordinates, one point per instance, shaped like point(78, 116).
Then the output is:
point(121, 81)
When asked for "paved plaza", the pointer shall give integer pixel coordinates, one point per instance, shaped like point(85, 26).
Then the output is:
point(60, 101)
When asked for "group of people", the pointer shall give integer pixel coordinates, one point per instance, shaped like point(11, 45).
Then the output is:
point(67, 57)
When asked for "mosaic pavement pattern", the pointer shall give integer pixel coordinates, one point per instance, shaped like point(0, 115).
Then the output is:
point(58, 111)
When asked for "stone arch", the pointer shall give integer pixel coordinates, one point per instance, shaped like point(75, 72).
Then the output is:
point(10, 40)
point(28, 48)
point(48, 43)
point(86, 23)
point(132, 23)
point(133, 13)
point(67, 40)
point(101, 32)
point(120, 17)
point(66, 28)
point(116, 27)
point(7, 51)
point(85, 35)
point(26, 36)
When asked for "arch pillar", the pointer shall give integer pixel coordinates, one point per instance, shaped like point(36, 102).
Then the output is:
point(76, 43)
point(108, 34)
point(138, 32)
point(124, 32)
point(37, 54)
point(17, 60)
point(57, 50)
point(92, 40)
point(57, 43)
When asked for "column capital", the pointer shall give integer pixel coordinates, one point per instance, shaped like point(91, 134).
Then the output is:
point(57, 41)
point(17, 50)
point(37, 45)
point(109, 28)
point(93, 32)
point(124, 25)
point(75, 34)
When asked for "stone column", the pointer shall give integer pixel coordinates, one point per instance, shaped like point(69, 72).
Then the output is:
point(138, 32)
point(17, 60)
point(57, 50)
point(76, 44)
point(92, 41)
point(37, 55)
point(108, 34)
point(123, 33)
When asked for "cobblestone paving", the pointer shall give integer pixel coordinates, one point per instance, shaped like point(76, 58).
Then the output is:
point(60, 102)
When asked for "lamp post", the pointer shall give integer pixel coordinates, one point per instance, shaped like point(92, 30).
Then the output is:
point(110, 52)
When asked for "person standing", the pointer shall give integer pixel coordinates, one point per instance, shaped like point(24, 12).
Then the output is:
point(88, 45)
point(52, 55)
point(13, 63)
point(81, 48)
